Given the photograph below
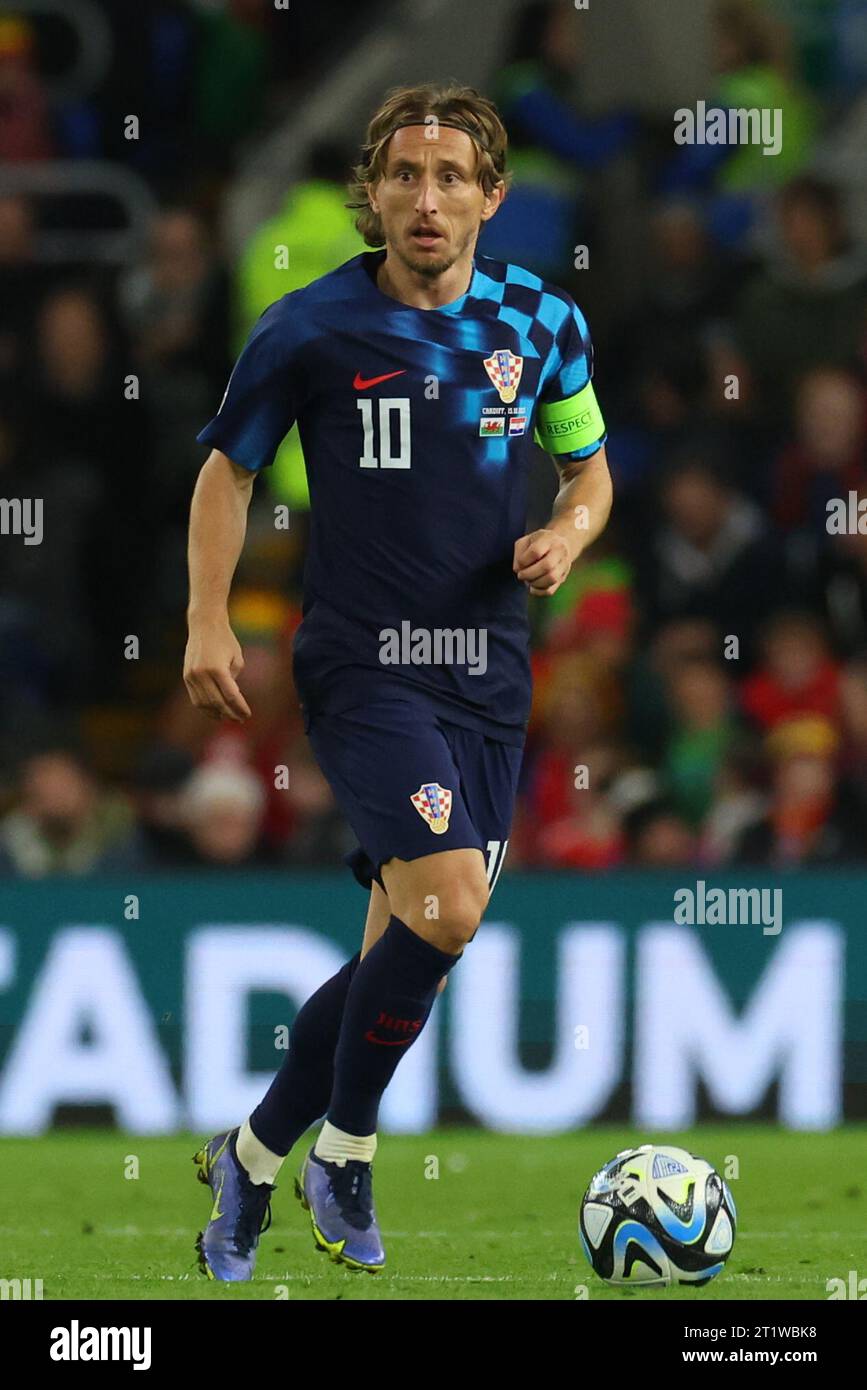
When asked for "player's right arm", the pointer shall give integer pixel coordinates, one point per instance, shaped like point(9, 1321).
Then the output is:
point(218, 526)
point(255, 414)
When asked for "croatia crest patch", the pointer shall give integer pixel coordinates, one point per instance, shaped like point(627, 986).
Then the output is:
point(434, 804)
point(504, 370)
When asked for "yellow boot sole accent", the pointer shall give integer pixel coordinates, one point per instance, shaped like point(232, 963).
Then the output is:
point(201, 1161)
point(333, 1248)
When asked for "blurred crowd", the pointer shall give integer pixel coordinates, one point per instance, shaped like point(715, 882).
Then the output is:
point(701, 678)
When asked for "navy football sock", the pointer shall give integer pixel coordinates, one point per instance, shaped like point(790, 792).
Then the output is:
point(389, 1000)
point(299, 1094)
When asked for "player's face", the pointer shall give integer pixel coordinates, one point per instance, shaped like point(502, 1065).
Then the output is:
point(429, 199)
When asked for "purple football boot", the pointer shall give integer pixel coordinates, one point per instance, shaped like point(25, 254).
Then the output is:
point(241, 1211)
point(342, 1214)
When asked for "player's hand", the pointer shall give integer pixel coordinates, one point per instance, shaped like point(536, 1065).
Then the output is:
point(542, 561)
point(212, 663)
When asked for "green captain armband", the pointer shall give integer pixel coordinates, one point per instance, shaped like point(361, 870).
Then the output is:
point(570, 424)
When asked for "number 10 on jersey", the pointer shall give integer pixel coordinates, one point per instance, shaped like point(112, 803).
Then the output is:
point(393, 417)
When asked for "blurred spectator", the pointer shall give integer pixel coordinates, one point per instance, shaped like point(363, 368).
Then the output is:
point(752, 73)
point(686, 291)
point(676, 360)
point(568, 821)
point(176, 302)
point(23, 281)
point(796, 676)
point(702, 732)
point(807, 308)
point(658, 838)
point(538, 88)
point(739, 802)
point(232, 57)
point(665, 385)
point(594, 609)
point(25, 127)
point(831, 41)
point(310, 235)
point(813, 818)
point(549, 139)
point(651, 671)
point(686, 639)
point(65, 823)
point(711, 557)
point(46, 637)
point(90, 415)
point(85, 410)
point(828, 456)
point(175, 307)
point(224, 805)
point(841, 590)
point(159, 790)
point(853, 727)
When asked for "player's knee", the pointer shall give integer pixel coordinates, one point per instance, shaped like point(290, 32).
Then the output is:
point(460, 915)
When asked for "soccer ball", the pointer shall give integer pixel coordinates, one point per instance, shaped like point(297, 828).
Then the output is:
point(657, 1215)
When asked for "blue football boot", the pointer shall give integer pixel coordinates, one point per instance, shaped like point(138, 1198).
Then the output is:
point(342, 1214)
point(241, 1211)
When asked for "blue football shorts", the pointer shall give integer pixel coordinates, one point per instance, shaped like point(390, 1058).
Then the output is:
point(410, 783)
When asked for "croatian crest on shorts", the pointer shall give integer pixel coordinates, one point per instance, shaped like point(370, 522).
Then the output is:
point(505, 369)
point(434, 804)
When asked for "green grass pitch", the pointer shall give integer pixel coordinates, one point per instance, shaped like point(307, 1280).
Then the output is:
point(499, 1222)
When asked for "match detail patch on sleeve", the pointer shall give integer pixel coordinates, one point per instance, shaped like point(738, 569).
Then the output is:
point(563, 426)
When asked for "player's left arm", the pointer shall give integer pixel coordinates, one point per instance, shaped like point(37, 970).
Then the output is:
point(570, 427)
point(581, 509)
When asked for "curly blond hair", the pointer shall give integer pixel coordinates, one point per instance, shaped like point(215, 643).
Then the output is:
point(420, 105)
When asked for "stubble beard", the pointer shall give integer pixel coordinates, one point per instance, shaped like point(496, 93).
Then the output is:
point(430, 268)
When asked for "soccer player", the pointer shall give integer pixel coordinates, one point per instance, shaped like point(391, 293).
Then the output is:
point(418, 375)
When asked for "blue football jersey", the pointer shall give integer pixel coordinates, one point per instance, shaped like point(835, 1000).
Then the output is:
point(417, 429)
